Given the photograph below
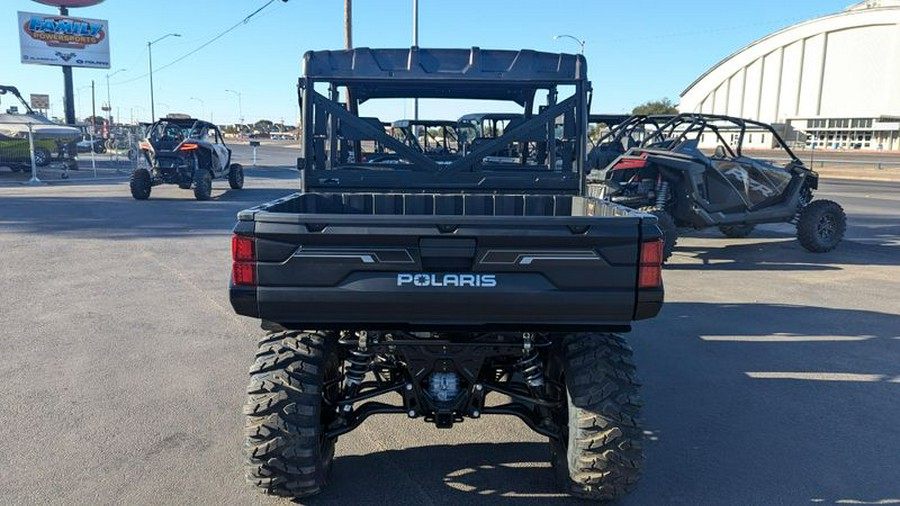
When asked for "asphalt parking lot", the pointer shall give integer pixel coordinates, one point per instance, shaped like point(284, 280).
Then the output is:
point(772, 375)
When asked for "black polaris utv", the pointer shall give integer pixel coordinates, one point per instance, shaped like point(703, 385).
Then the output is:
point(489, 285)
point(188, 152)
point(690, 170)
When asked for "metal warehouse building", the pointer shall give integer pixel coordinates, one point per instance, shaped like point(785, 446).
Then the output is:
point(832, 82)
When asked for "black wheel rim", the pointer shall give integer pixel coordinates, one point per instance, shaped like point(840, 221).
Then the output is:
point(826, 228)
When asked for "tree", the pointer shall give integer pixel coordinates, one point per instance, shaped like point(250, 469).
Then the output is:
point(597, 130)
point(263, 126)
point(661, 106)
point(96, 120)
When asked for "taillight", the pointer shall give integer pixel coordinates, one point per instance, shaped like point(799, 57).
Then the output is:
point(243, 249)
point(650, 268)
point(188, 146)
point(145, 146)
point(244, 273)
point(243, 252)
point(631, 163)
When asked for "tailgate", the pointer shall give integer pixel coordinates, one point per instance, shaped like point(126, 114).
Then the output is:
point(429, 272)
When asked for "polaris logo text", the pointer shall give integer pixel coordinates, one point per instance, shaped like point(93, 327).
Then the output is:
point(450, 280)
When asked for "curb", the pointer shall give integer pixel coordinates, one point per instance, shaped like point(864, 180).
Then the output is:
point(860, 176)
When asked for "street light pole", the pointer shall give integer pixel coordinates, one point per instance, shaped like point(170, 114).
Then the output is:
point(576, 39)
point(202, 106)
point(150, 58)
point(108, 99)
point(240, 107)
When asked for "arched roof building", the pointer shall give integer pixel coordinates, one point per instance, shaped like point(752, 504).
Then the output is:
point(842, 69)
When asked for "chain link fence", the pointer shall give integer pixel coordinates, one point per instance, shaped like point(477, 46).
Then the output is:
point(34, 150)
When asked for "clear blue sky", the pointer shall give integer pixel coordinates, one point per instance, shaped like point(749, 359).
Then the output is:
point(636, 51)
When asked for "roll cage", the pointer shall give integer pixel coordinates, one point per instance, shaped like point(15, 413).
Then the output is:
point(187, 129)
point(487, 125)
point(334, 136)
point(406, 131)
point(683, 127)
point(630, 129)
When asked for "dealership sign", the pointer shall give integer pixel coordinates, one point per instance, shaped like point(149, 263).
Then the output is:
point(40, 102)
point(48, 39)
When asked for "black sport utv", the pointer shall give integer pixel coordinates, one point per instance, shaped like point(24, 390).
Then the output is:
point(187, 152)
point(485, 286)
point(658, 164)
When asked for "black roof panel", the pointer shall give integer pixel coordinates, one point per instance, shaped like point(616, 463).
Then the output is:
point(444, 73)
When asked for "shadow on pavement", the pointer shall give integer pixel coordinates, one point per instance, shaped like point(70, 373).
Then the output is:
point(787, 255)
point(175, 213)
point(475, 473)
point(769, 404)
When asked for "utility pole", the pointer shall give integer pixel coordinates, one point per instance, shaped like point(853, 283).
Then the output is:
point(348, 45)
point(348, 24)
point(416, 47)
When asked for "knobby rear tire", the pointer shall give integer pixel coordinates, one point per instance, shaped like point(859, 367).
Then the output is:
point(600, 456)
point(236, 176)
point(140, 184)
point(821, 226)
point(203, 185)
point(286, 451)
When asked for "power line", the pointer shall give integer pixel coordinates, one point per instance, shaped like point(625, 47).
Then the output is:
point(243, 21)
